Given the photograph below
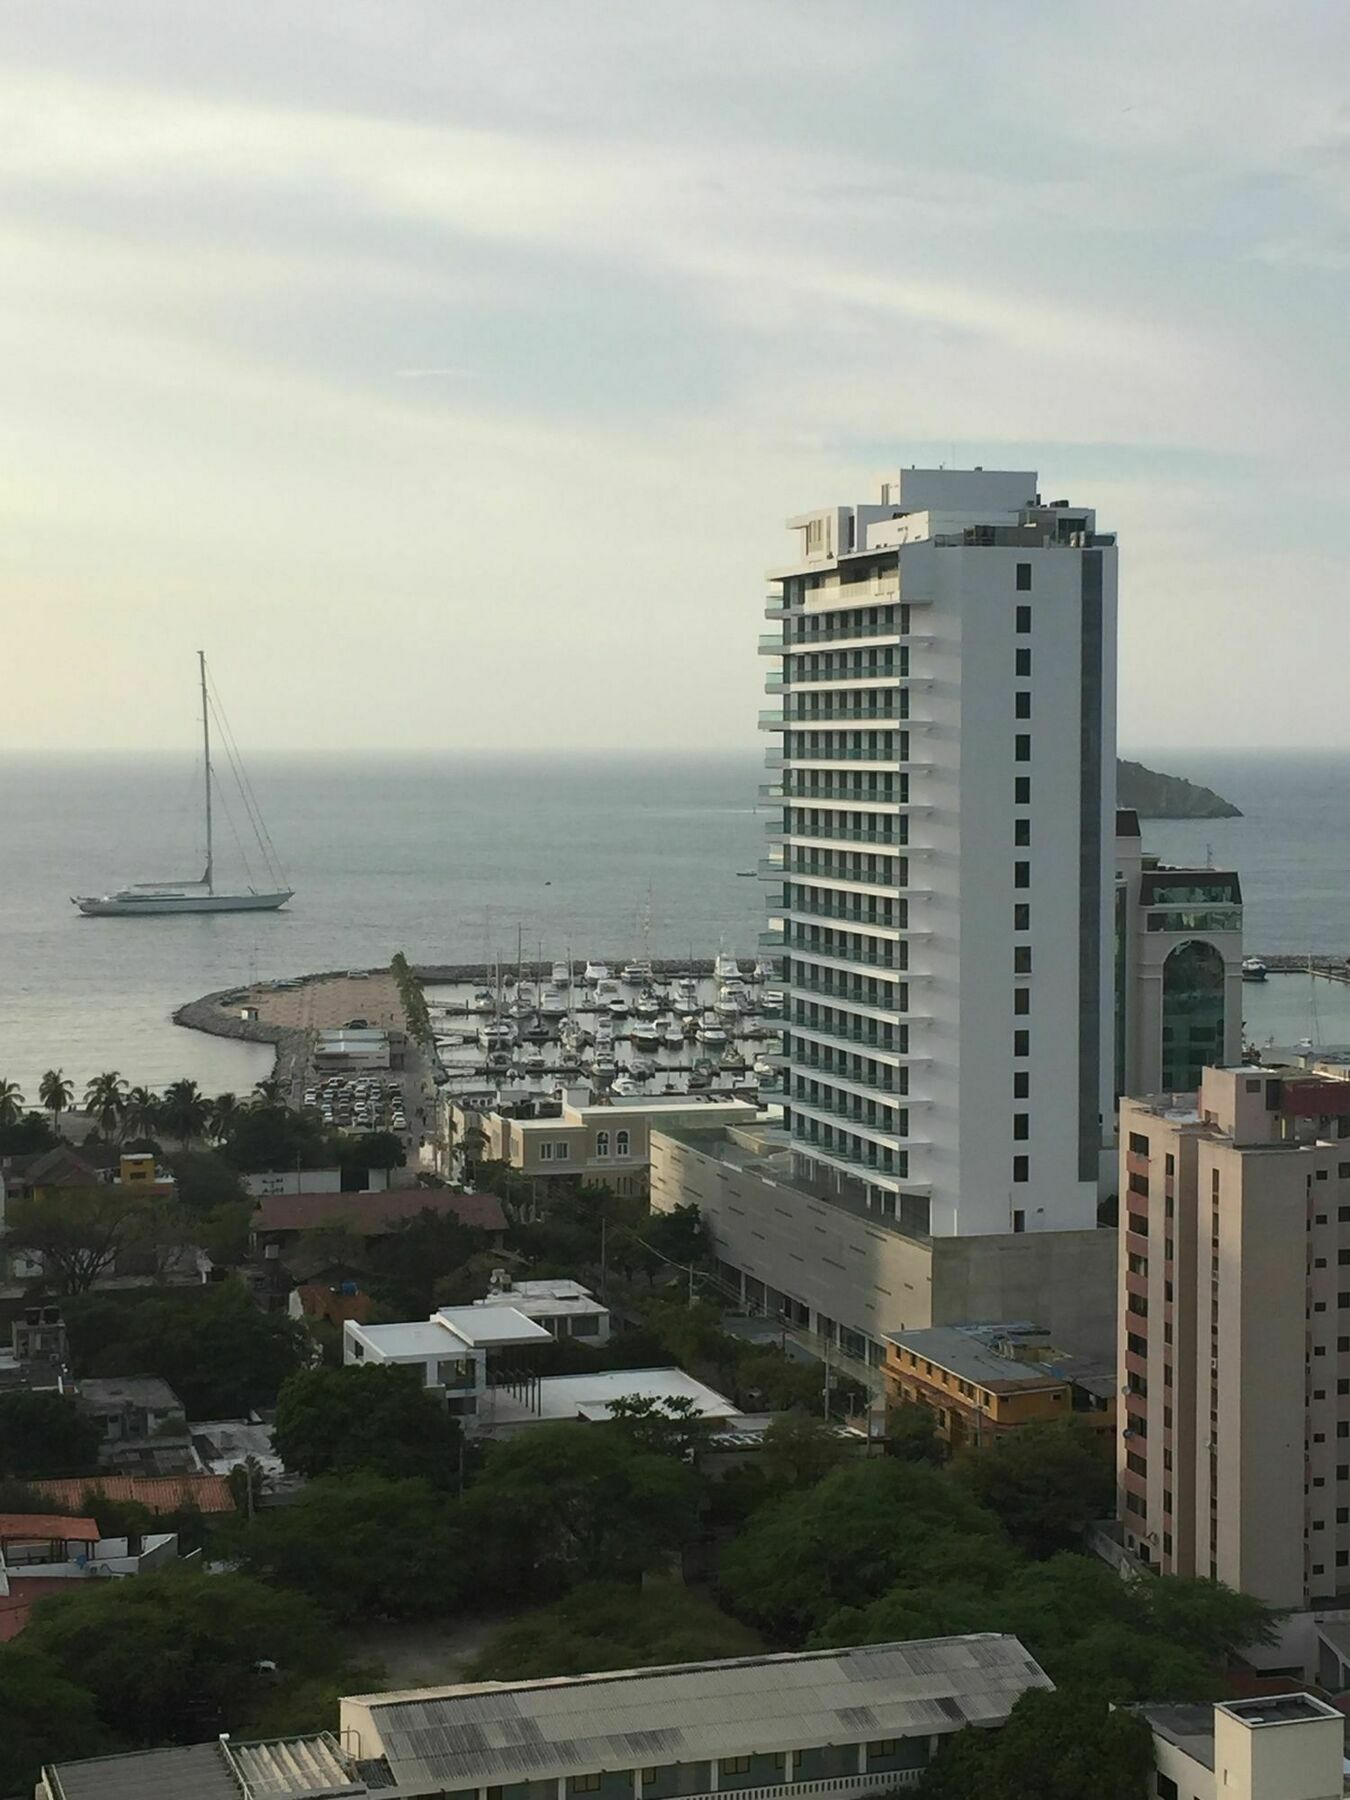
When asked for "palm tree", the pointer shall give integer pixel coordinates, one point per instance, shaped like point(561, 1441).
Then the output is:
point(11, 1102)
point(56, 1093)
point(141, 1113)
point(225, 1109)
point(186, 1110)
point(105, 1098)
point(267, 1093)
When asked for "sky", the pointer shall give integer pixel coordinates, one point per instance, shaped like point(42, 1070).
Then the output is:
point(446, 369)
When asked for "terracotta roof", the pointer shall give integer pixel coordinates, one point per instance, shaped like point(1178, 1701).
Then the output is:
point(320, 1302)
point(371, 1215)
point(161, 1493)
point(32, 1528)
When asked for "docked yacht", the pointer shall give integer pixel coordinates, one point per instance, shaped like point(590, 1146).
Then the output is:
point(672, 1035)
point(710, 1032)
point(647, 1006)
point(646, 1036)
point(726, 968)
point(594, 973)
point(500, 1035)
point(638, 973)
point(1253, 969)
point(552, 1004)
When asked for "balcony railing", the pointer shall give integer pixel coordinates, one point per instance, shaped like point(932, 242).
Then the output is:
point(872, 672)
point(771, 721)
point(891, 840)
point(841, 995)
point(885, 719)
point(847, 634)
point(838, 958)
point(837, 791)
point(895, 1088)
point(770, 790)
point(871, 1042)
point(818, 871)
point(771, 643)
point(853, 915)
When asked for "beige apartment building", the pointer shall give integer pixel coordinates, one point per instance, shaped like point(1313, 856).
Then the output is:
point(1234, 1339)
point(583, 1139)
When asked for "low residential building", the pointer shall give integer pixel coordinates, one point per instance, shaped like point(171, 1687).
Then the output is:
point(43, 1553)
point(581, 1139)
point(461, 1352)
point(983, 1381)
point(345, 1049)
point(47, 1174)
point(1178, 961)
point(142, 1421)
point(840, 1270)
point(329, 1304)
point(828, 1722)
point(280, 1218)
point(1234, 1341)
point(308, 1181)
point(1287, 1747)
point(508, 1408)
point(564, 1308)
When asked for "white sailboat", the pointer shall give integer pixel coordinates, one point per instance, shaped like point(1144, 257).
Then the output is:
point(159, 898)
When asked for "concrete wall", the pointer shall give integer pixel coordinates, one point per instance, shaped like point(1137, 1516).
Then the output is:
point(870, 1278)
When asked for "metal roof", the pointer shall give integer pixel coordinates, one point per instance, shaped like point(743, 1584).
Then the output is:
point(494, 1733)
point(273, 1769)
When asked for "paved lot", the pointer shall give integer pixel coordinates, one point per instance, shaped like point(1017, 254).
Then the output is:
point(321, 1003)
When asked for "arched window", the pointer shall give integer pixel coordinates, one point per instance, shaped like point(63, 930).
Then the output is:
point(602, 1143)
point(1192, 1014)
point(621, 1143)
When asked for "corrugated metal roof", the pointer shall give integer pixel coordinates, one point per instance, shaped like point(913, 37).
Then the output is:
point(490, 1733)
point(196, 1772)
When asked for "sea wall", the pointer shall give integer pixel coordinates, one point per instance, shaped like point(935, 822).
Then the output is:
point(209, 1014)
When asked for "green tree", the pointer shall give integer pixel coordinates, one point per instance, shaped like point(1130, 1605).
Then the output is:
point(205, 1181)
point(46, 1717)
point(1047, 1482)
point(223, 1112)
point(267, 1092)
point(1055, 1746)
point(800, 1450)
point(11, 1102)
point(364, 1547)
point(912, 1435)
point(43, 1433)
point(56, 1092)
point(570, 1502)
point(333, 1421)
point(104, 1097)
point(79, 1232)
point(174, 1657)
point(669, 1426)
point(407, 1264)
point(142, 1112)
point(218, 1351)
point(372, 1150)
point(185, 1112)
point(843, 1543)
point(267, 1136)
point(680, 1236)
point(28, 1133)
point(607, 1625)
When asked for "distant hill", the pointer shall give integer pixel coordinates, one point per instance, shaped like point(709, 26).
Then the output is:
point(1155, 796)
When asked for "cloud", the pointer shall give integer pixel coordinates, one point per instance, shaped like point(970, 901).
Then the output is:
point(466, 360)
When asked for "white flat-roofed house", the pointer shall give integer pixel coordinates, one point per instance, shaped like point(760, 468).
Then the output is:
point(458, 1349)
point(831, 1722)
point(508, 1408)
point(564, 1308)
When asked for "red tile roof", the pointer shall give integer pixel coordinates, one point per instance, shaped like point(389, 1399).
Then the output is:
point(161, 1493)
point(34, 1528)
point(319, 1302)
point(371, 1215)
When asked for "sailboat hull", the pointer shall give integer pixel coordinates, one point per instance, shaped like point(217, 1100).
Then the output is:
point(104, 906)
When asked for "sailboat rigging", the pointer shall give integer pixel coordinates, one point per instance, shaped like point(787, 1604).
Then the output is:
point(157, 898)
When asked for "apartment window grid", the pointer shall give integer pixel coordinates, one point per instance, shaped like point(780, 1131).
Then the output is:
point(842, 981)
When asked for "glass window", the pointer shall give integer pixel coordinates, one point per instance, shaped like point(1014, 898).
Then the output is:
point(1024, 578)
point(602, 1143)
point(621, 1142)
point(1192, 1014)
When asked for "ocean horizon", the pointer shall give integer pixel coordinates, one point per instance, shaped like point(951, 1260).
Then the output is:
point(448, 855)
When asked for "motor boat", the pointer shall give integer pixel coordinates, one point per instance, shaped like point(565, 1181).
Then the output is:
point(594, 973)
point(1253, 969)
point(638, 973)
point(672, 1036)
point(647, 1006)
point(643, 1069)
point(726, 968)
point(732, 999)
point(561, 974)
point(552, 1004)
point(498, 1036)
point(627, 1084)
point(732, 1060)
point(646, 1037)
point(618, 1007)
point(771, 1001)
point(710, 1032)
point(483, 1002)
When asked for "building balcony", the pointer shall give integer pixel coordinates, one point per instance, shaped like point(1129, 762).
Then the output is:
point(770, 940)
point(848, 678)
point(771, 721)
point(866, 637)
point(881, 718)
point(868, 1043)
point(769, 869)
point(770, 790)
point(775, 607)
point(880, 1010)
point(771, 643)
point(841, 758)
point(775, 684)
point(834, 793)
point(840, 959)
point(856, 880)
point(886, 1141)
point(894, 1092)
point(799, 913)
point(822, 834)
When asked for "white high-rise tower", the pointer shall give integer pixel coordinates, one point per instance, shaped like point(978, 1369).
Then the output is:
point(942, 870)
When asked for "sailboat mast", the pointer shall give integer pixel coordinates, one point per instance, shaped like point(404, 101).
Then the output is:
point(206, 772)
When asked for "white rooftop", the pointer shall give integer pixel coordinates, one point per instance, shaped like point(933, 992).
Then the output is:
point(588, 1396)
point(452, 1330)
point(549, 1297)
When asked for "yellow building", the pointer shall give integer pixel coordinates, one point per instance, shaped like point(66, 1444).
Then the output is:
point(983, 1381)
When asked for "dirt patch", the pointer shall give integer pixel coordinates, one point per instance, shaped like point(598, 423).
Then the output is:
point(414, 1656)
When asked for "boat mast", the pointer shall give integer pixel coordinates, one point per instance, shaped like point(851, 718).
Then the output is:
point(206, 771)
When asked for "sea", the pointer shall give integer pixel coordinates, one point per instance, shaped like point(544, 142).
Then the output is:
point(461, 858)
